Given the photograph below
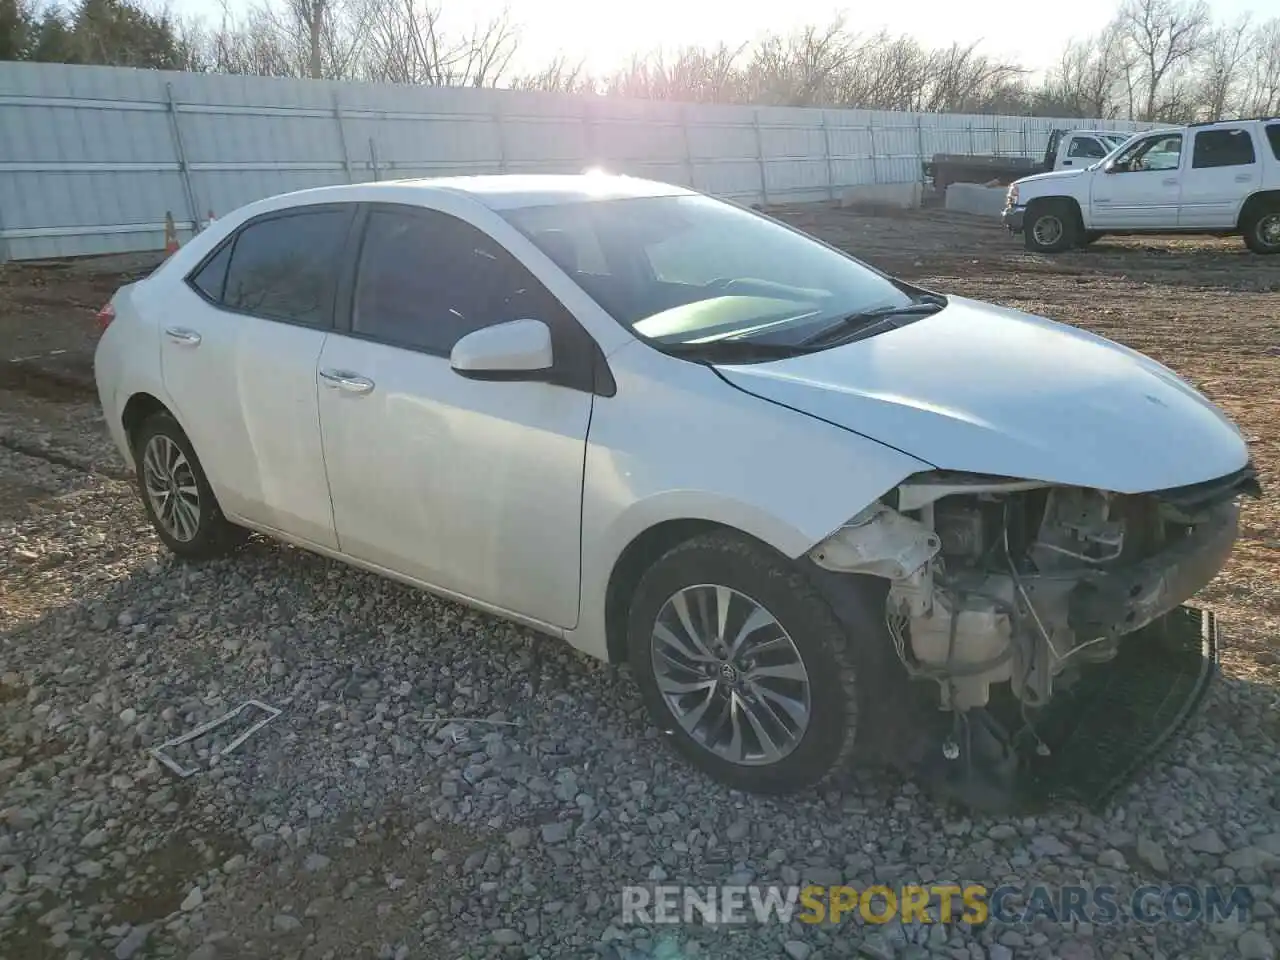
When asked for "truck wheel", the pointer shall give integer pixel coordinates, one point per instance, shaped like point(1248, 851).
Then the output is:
point(1051, 226)
point(1262, 229)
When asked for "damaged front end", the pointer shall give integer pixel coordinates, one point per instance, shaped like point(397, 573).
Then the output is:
point(1004, 592)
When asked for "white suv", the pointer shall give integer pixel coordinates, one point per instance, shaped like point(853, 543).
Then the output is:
point(1216, 178)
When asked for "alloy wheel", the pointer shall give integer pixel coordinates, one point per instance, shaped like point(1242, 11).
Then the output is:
point(171, 488)
point(1269, 230)
point(730, 674)
point(1047, 230)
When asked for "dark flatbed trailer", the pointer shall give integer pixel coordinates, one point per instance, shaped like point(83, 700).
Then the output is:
point(948, 168)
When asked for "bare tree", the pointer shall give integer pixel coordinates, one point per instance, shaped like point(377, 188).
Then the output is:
point(1089, 78)
point(1165, 35)
point(559, 76)
point(1261, 81)
point(407, 44)
point(1225, 50)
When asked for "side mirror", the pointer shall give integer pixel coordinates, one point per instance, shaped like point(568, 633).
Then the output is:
point(516, 350)
point(1115, 166)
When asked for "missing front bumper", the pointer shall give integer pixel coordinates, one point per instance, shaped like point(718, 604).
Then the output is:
point(1094, 737)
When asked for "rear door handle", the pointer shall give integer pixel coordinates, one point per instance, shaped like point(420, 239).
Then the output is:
point(1243, 177)
point(188, 338)
point(1171, 182)
point(346, 381)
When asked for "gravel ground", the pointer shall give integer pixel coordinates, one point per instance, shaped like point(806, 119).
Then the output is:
point(365, 821)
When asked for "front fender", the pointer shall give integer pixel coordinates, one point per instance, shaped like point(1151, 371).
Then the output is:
point(679, 443)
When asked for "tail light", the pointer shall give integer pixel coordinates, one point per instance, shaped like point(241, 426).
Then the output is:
point(105, 316)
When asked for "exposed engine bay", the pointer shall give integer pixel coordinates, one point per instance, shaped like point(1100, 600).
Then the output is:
point(996, 580)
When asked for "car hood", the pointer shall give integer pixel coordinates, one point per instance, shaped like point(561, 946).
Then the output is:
point(1051, 175)
point(985, 389)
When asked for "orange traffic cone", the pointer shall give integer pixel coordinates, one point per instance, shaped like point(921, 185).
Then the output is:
point(170, 235)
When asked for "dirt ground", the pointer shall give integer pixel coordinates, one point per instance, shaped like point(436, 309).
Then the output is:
point(1205, 307)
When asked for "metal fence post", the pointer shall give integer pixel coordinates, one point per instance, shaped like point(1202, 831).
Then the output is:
point(4, 243)
point(1025, 152)
point(871, 137)
point(589, 135)
point(764, 180)
point(920, 145)
point(342, 137)
point(688, 147)
point(502, 136)
point(181, 151)
point(972, 149)
point(826, 150)
point(373, 158)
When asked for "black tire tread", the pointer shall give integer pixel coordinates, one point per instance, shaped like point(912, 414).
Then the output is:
point(838, 643)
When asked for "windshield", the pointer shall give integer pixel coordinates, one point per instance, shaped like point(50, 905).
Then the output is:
point(690, 269)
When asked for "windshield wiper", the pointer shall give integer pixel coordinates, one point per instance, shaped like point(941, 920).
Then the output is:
point(732, 349)
point(874, 319)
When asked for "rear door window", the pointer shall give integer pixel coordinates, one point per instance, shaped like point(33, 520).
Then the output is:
point(1273, 134)
point(286, 267)
point(1086, 147)
point(1223, 148)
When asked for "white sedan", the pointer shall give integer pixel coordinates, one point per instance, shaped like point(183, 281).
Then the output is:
point(677, 433)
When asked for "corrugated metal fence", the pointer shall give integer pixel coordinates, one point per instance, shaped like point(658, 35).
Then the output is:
point(92, 158)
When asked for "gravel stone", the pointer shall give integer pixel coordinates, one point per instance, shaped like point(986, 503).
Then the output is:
point(132, 942)
point(1152, 854)
point(477, 791)
point(1207, 841)
point(1254, 945)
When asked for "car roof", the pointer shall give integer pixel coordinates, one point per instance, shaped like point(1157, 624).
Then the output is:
point(501, 191)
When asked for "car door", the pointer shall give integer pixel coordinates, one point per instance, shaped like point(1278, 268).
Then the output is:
point(470, 486)
point(1140, 188)
point(1224, 170)
point(239, 359)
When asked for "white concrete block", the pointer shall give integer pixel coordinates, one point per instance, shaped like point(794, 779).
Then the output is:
point(976, 199)
point(900, 196)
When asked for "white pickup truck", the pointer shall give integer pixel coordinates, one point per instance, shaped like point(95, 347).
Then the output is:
point(1218, 178)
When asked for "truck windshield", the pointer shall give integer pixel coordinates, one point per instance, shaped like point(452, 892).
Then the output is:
point(680, 269)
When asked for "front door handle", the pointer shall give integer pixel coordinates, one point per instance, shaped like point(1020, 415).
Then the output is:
point(346, 381)
point(188, 338)
point(1171, 182)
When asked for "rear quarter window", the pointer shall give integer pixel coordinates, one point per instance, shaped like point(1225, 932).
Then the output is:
point(211, 277)
point(1273, 134)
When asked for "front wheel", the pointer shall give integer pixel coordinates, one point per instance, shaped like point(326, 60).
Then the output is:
point(1051, 226)
point(1262, 230)
point(745, 667)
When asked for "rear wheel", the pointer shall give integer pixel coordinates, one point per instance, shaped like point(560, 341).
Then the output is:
point(1051, 226)
point(745, 666)
point(176, 494)
point(1262, 229)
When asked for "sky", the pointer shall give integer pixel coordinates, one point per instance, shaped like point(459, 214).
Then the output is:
point(605, 32)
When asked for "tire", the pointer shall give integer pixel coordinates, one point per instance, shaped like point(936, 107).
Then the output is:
point(1051, 226)
point(196, 528)
point(1262, 229)
point(1091, 237)
point(837, 662)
